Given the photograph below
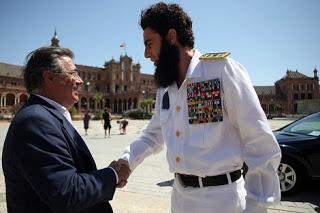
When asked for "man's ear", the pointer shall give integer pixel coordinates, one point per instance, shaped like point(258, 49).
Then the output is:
point(48, 77)
point(172, 36)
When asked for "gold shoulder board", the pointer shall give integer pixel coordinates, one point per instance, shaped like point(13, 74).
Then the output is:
point(214, 56)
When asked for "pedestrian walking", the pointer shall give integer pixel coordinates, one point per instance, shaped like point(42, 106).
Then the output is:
point(86, 119)
point(107, 122)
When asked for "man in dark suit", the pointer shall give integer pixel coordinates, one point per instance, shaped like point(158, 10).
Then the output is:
point(46, 164)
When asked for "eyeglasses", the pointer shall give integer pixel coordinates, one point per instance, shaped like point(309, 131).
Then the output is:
point(74, 73)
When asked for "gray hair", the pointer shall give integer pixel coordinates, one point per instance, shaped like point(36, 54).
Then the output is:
point(40, 60)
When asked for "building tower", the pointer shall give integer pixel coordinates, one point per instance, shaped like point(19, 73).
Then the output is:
point(55, 40)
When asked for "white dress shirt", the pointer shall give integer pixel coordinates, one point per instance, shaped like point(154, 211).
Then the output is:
point(64, 111)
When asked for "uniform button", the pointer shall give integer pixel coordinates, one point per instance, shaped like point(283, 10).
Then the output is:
point(178, 134)
point(178, 108)
point(178, 159)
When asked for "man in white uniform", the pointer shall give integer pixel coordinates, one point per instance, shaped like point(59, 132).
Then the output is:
point(210, 119)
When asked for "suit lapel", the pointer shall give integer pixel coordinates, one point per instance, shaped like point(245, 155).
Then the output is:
point(71, 132)
point(77, 139)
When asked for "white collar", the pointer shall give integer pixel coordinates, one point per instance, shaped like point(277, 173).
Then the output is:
point(59, 107)
point(193, 65)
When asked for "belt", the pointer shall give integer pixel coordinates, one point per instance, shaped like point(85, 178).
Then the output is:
point(195, 181)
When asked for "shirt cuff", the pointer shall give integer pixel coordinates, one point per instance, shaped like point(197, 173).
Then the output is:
point(115, 173)
point(252, 206)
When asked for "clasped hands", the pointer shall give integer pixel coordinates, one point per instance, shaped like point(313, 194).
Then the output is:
point(123, 170)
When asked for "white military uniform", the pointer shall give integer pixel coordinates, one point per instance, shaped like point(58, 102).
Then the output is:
point(240, 133)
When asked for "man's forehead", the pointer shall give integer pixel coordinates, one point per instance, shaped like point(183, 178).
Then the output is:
point(66, 58)
point(149, 34)
point(67, 61)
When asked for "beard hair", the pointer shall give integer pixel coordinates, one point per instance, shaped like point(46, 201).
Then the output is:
point(167, 68)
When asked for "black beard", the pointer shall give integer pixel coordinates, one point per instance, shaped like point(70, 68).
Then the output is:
point(167, 68)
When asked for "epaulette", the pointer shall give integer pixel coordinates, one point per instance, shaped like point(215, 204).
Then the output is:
point(214, 56)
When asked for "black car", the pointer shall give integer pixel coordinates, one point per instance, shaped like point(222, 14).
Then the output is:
point(300, 146)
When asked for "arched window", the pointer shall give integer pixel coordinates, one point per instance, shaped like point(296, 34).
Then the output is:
point(135, 103)
point(10, 99)
point(125, 105)
point(129, 104)
point(23, 98)
point(83, 103)
point(107, 103)
point(120, 108)
point(115, 106)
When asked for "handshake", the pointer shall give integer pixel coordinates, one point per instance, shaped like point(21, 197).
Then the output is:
point(123, 170)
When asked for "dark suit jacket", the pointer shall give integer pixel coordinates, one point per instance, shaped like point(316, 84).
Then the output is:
point(48, 167)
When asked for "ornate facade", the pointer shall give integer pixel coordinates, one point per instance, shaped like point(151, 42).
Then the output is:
point(118, 85)
point(294, 93)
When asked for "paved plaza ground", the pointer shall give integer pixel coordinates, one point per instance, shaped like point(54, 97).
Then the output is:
point(149, 186)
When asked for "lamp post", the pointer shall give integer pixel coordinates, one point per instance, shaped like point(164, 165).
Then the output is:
point(143, 103)
point(88, 100)
point(143, 94)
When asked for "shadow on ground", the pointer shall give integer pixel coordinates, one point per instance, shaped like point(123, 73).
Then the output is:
point(310, 194)
point(166, 183)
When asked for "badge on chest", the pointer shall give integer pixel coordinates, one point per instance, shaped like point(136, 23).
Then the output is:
point(204, 102)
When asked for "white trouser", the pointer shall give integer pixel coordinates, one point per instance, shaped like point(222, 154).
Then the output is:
point(228, 198)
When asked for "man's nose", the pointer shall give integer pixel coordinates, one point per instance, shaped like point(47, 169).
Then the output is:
point(79, 81)
point(146, 53)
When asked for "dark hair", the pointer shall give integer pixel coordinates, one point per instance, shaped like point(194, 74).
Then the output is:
point(161, 17)
point(39, 60)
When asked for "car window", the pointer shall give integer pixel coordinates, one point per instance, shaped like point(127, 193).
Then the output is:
point(307, 126)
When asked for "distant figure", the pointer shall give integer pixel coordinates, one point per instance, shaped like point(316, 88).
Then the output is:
point(86, 119)
point(107, 122)
point(123, 126)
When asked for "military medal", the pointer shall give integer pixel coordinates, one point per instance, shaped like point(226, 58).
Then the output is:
point(204, 102)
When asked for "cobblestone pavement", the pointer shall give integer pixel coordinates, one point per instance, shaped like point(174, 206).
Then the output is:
point(149, 186)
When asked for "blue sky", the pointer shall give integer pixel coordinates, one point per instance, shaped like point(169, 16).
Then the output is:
point(266, 36)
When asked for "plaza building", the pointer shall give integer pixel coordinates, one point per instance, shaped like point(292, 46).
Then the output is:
point(121, 86)
point(118, 85)
point(293, 93)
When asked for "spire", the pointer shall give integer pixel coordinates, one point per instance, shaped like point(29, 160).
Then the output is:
point(315, 73)
point(55, 40)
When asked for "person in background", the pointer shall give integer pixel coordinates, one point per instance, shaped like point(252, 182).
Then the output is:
point(46, 164)
point(123, 126)
point(86, 119)
point(107, 122)
point(209, 117)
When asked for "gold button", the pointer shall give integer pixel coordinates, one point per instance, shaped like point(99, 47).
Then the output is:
point(178, 159)
point(178, 133)
point(178, 108)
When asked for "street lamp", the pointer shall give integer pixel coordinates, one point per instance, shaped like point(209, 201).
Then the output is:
point(87, 89)
point(143, 94)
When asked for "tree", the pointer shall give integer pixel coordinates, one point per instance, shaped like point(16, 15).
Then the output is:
point(143, 106)
point(98, 96)
point(149, 103)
